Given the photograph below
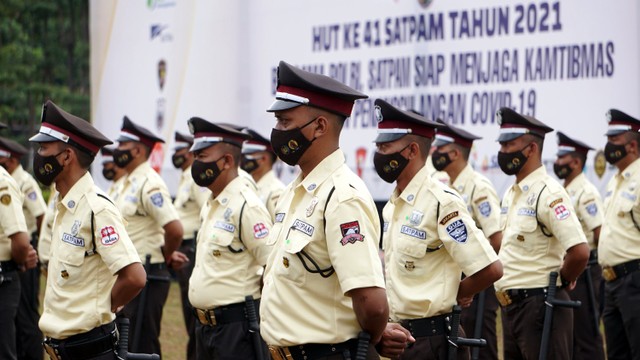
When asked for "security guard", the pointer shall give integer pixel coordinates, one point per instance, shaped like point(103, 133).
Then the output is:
point(323, 282)
point(429, 238)
point(619, 247)
point(28, 334)
point(232, 246)
point(453, 146)
point(112, 173)
point(540, 234)
point(154, 227)
point(188, 202)
point(94, 269)
point(258, 159)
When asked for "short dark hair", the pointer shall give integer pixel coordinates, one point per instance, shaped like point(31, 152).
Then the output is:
point(539, 141)
point(632, 135)
point(85, 159)
point(424, 144)
point(582, 156)
point(465, 151)
point(234, 151)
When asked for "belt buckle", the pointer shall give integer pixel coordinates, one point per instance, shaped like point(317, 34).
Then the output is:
point(280, 353)
point(608, 273)
point(51, 351)
point(503, 298)
point(206, 317)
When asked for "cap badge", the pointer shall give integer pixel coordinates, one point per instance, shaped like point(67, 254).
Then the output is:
point(608, 116)
point(378, 113)
point(499, 117)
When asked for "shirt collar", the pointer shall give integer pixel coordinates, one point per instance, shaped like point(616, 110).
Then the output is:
point(420, 179)
point(576, 183)
point(266, 178)
point(630, 171)
point(232, 189)
point(78, 190)
point(321, 172)
point(462, 178)
point(531, 179)
point(139, 171)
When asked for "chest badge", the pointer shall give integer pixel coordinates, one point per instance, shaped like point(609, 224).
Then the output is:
point(409, 265)
point(312, 206)
point(531, 200)
point(64, 274)
point(75, 228)
point(416, 217)
point(227, 214)
point(216, 253)
point(285, 261)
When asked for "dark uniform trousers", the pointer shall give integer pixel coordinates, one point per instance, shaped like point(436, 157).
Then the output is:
point(225, 342)
point(522, 324)
point(28, 334)
point(433, 348)
point(9, 299)
point(188, 248)
point(587, 341)
point(157, 292)
point(621, 317)
point(490, 313)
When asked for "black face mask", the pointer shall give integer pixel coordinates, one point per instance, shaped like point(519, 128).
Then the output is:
point(178, 160)
point(290, 145)
point(511, 163)
point(614, 153)
point(205, 173)
point(122, 158)
point(46, 168)
point(440, 160)
point(248, 165)
point(561, 171)
point(108, 174)
point(390, 166)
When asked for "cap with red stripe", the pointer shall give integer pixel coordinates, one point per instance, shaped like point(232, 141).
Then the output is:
point(567, 145)
point(131, 131)
point(257, 143)
point(620, 122)
point(59, 125)
point(394, 123)
point(10, 148)
point(182, 141)
point(513, 125)
point(449, 134)
point(206, 134)
point(298, 87)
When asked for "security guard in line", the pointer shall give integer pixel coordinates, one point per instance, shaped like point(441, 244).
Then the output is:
point(540, 234)
point(232, 247)
point(112, 173)
point(188, 202)
point(94, 269)
point(619, 247)
point(16, 254)
point(429, 238)
point(323, 283)
point(570, 162)
point(29, 336)
point(453, 146)
point(154, 227)
point(258, 159)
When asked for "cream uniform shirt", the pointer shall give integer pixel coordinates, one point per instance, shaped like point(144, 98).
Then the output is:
point(428, 231)
point(83, 262)
point(44, 240)
point(231, 247)
point(270, 189)
point(588, 204)
point(323, 249)
point(481, 199)
point(34, 204)
point(146, 206)
point(188, 203)
point(620, 233)
point(116, 188)
point(527, 255)
point(11, 217)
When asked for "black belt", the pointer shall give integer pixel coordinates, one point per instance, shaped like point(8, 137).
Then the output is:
point(611, 273)
point(508, 297)
point(188, 242)
point(7, 266)
point(314, 351)
point(100, 340)
point(431, 326)
point(223, 314)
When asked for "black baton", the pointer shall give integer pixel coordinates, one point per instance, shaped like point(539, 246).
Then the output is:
point(123, 343)
point(453, 338)
point(550, 302)
point(477, 330)
point(363, 345)
point(593, 260)
point(254, 327)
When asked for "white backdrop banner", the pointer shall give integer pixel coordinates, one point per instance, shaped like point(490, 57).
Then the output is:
point(565, 62)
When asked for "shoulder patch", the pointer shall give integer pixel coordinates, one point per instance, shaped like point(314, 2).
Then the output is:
point(260, 231)
point(485, 208)
point(458, 231)
point(350, 233)
point(157, 199)
point(448, 217)
point(561, 212)
point(555, 202)
point(108, 235)
point(592, 209)
point(32, 195)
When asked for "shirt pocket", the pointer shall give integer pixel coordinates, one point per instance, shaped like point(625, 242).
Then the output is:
point(129, 209)
point(411, 259)
point(222, 248)
point(526, 234)
point(71, 259)
point(289, 266)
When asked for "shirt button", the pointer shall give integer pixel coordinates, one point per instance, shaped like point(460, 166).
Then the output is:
point(410, 197)
point(224, 201)
point(311, 187)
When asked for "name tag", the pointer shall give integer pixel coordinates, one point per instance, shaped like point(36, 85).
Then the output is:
point(303, 226)
point(279, 217)
point(385, 226)
point(419, 234)
point(225, 226)
point(70, 239)
point(527, 212)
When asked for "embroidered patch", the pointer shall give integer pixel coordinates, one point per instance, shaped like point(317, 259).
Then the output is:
point(416, 217)
point(109, 235)
point(458, 231)
point(5, 199)
point(279, 217)
point(303, 226)
point(561, 212)
point(350, 233)
point(157, 199)
point(531, 199)
point(76, 227)
point(260, 231)
point(312, 206)
point(227, 215)
point(592, 209)
point(555, 202)
point(152, 190)
point(385, 226)
point(70, 239)
point(224, 226)
point(527, 212)
point(480, 199)
point(629, 196)
point(485, 208)
point(448, 217)
point(420, 234)
point(32, 196)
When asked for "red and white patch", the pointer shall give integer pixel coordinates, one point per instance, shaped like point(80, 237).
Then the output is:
point(260, 231)
point(561, 212)
point(109, 235)
point(350, 233)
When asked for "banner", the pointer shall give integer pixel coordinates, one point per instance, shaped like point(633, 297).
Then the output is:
point(564, 62)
